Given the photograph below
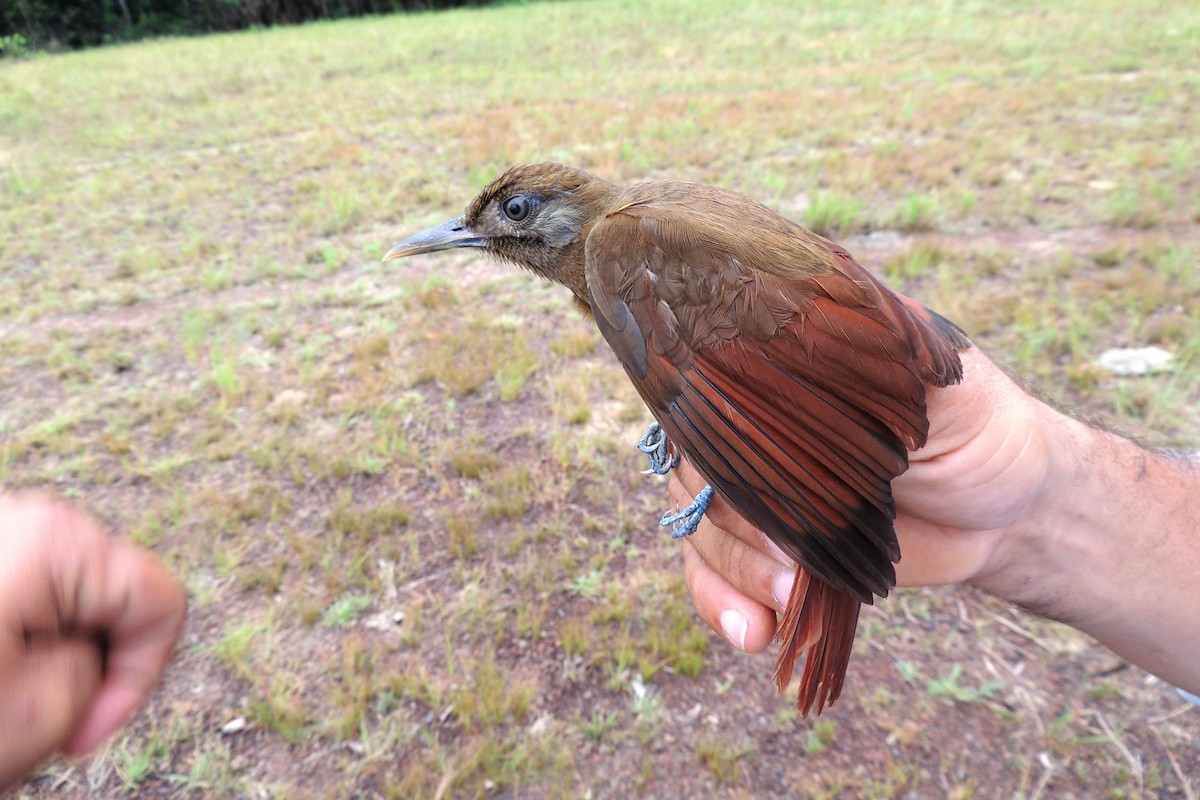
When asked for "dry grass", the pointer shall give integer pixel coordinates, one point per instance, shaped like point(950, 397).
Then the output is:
point(405, 501)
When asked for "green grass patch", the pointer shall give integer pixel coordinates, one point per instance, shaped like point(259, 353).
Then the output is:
point(832, 214)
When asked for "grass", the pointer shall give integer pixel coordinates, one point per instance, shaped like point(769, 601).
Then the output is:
point(915, 212)
point(832, 214)
point(404, 498)
point(722, 757)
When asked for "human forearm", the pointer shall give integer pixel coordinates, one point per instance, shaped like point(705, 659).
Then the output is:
point(1111, 547)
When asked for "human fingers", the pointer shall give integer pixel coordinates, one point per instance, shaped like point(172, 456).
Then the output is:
point(745, 623)
point(141, 609)
point(761, 575)
point(65, 578)
point(48, 685)
point(686, 483)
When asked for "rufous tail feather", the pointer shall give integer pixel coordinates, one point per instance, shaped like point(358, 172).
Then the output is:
point(819, 624)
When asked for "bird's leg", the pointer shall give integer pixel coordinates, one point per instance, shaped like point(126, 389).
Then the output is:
point(684, 523)
point(656, 447)
point(654, 444)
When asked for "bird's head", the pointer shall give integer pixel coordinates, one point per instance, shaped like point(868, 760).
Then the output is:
point(536, 216)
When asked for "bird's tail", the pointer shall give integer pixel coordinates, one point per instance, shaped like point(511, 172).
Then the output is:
point(819, 623)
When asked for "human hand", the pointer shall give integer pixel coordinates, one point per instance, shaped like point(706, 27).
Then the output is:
point(982, 469)
point(87, 625)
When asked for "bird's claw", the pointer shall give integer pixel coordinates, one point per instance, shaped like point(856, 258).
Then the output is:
point(684, 523)
point(654, 444)
point(656, 447)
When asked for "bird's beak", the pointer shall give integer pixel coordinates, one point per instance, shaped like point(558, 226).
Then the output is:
point(454, 233)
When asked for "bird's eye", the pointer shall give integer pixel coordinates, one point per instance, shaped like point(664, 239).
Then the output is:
point(517, 207)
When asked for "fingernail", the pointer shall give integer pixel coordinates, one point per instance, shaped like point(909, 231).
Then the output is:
point(781, 588)
point(734, 626)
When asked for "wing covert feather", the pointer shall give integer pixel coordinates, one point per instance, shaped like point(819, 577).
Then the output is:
point(802, 431)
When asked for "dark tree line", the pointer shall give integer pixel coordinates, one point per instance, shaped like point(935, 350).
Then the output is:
point(58, 23)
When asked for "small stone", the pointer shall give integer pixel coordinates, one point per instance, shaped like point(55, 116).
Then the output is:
point(235, 725)
point(541, 725)
point(1127, 361)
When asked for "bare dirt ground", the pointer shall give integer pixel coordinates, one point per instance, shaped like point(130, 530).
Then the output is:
point(951, 693)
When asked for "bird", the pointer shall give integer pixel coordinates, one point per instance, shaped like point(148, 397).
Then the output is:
point(789, 376)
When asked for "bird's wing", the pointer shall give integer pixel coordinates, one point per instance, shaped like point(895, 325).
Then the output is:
point(796, 397)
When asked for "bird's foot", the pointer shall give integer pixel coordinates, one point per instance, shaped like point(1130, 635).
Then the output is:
point(654, 444)
point(684, 523)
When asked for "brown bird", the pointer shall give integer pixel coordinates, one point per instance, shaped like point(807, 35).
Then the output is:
point(787, 374)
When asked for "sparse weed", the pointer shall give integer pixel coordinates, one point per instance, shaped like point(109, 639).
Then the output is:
point(521, 363)
point(599, 725)
point(570, 396)
point(490, 696)
point(357, 687)
point(462, 360)
point(1130, 208)
point(587, 585)
point(531, 620)
point(471, 458)
point(833, 214)
point(235, 648)
point(723, 757)
point(508, 492)
point(948, 686)
point(920, 260)
point(574, 637)
point(916, 212)
point(460, 535)
point(280, 707)
point(820, 736)
point(136, 758)
point(345, 609)
point(576, 341)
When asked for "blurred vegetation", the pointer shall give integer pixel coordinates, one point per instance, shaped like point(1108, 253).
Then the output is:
point(29, 25)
